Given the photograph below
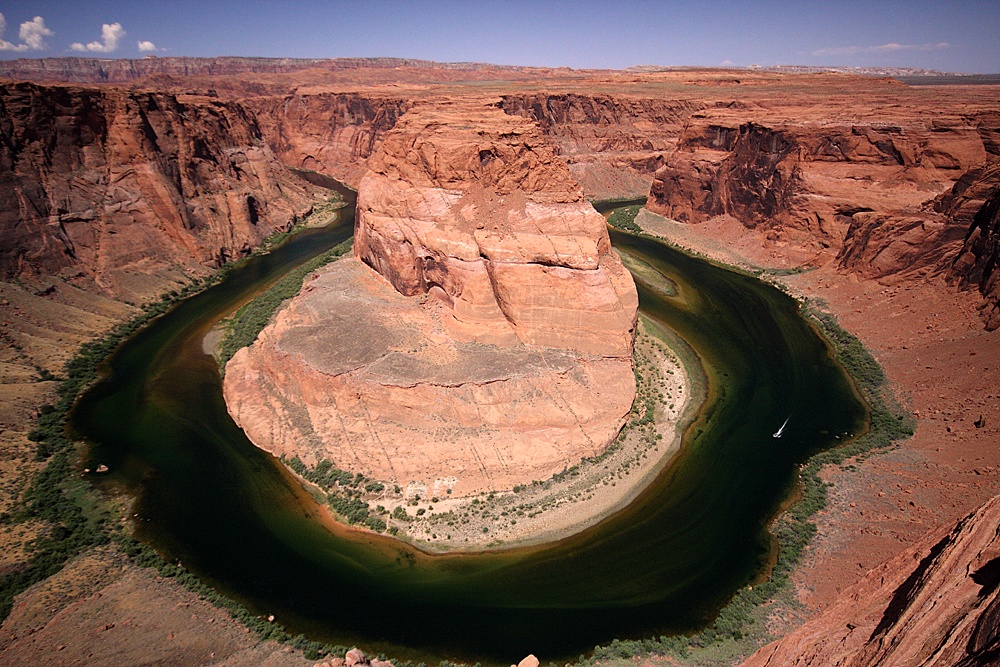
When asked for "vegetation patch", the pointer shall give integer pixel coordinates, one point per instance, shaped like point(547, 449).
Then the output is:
point(251, 319)
point(344, 492)
point(623, 219)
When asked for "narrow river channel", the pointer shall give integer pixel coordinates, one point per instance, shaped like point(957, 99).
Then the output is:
point(664, 564)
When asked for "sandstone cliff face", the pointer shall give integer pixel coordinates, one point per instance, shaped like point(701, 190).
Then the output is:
point(977, 263)
point(122, 70)
point(956, 235)
point(936, 604)
point(921, 241)
point(333, 133)
point(108, 183)
point(613, 143)
point(807, 178)
point(472, 202)
point(493, 345)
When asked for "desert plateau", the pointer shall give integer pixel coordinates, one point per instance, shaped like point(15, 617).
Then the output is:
point(394, 362)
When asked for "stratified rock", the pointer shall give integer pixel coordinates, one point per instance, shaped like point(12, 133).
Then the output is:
point(810, 179)
point(333, 133)
point(494, 348)
point(473, 202)
point(977, 263)
point(936, 604)
point(112, 183)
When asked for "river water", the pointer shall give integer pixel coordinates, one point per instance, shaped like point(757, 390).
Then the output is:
point(664, 564)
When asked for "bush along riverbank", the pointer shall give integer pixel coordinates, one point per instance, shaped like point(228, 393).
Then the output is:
point(75, 516)
point(75, 519)
point(250, 320)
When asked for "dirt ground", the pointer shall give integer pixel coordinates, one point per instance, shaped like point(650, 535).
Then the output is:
point(101, 610)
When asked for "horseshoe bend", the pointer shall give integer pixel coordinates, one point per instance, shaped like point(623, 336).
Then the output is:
point(477, 373)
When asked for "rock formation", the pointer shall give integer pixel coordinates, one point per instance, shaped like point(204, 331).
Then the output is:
point(936, 604)
point(977, 264)
point(333, 133)
point(108, 185)
point(122, 70)
point(471, 203)
point(493, 345)
point(876, 195)
point(953, 234)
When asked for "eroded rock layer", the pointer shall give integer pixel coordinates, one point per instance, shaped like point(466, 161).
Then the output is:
point(936, 604)
point(472, 204)
point(483, 340)
point(886, 199)
point(105, 183)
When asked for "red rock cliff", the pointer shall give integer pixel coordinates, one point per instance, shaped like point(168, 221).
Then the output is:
point(112, 183)
point(333, 133)
point(492, 347)
point(936, 604)
point(473, 203)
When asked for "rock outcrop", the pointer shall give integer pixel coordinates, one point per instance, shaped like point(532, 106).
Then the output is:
point(106, 185)
point(936, 604)
point(333, 133)
point(891, 201)
point(123, 70)
point(613, 144)
point(493, 345)
point(927, 240)
point(472, 203)
point(805, 179)
point(978, 264)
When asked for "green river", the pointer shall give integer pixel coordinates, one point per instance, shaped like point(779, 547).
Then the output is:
point(664, 564)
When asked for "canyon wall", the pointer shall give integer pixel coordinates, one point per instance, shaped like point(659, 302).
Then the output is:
point(106, 185)
point(936, 604)
point(979, 262)
point(892, 201)
point(333, 133)
point(483, 340)
point(122, 70)
point(612, 143)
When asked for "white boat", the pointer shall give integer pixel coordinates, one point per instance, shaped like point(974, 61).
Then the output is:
point(777, 434)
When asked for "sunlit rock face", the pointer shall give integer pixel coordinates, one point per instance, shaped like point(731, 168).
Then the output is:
point(484, 338)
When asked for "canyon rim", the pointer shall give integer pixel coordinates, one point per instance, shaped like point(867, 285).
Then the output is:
point(871, 195)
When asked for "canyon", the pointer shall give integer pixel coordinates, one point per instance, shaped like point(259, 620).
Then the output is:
point(883, 197)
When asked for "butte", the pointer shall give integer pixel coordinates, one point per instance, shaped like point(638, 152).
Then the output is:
point(481, 335)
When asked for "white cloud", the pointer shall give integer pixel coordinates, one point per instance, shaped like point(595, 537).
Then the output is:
point(891, 47)
point(33, 34)
point(111, 34)
point(145, 45)
point(726, 63)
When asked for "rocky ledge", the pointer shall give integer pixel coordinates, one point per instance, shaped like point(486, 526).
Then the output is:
point(935, 604)
point(483, 340)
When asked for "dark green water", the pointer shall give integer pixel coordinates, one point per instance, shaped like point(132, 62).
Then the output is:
point(664, 564)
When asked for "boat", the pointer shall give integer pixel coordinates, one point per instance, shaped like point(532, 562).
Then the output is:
point(777, 434)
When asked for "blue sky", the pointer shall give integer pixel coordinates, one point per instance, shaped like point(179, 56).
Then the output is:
point(959, 36)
